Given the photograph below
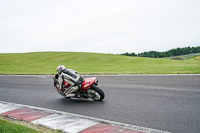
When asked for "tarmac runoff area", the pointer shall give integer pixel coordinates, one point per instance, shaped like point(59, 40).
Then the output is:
point(67, 122)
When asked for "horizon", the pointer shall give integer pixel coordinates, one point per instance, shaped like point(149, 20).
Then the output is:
point(96, 52)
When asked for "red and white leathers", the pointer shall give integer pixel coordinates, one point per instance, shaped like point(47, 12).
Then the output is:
point(70, 77)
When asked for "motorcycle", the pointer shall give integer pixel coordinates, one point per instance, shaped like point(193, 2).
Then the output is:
point(87, 90)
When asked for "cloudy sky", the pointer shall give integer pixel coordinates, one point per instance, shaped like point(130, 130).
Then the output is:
point(101, 26)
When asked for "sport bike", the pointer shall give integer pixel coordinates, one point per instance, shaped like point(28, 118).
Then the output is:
point(88, 89)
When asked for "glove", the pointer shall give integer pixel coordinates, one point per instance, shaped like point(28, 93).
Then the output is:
point(56, 82)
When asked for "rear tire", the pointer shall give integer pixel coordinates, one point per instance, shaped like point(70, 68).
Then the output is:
point(98, 93)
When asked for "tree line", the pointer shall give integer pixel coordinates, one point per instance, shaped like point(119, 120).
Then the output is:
point(169, 53)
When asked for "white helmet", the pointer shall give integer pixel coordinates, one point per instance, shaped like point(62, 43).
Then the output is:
point(60, 68)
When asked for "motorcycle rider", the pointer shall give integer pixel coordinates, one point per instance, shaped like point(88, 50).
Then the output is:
point(70, 77)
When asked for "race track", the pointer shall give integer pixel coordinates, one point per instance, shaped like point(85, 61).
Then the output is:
point(164, 102)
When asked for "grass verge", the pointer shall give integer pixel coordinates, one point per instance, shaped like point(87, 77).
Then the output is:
point(93, 63)
point(8, 125)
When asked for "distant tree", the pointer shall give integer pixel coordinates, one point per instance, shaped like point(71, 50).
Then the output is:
point(129, 54)
point(173, 52)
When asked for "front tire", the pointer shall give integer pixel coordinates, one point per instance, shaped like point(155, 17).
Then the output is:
point(97, 92)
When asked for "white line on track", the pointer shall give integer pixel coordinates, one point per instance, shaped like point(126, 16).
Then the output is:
point(118, 75)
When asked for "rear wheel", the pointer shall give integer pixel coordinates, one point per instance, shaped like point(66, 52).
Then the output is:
point(97, 93)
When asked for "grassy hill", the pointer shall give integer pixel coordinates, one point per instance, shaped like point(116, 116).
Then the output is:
point(93, 63)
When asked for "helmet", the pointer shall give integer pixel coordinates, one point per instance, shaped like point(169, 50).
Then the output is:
point(60, 68)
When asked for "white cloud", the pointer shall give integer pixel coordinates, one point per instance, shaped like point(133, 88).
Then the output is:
point(104, 26)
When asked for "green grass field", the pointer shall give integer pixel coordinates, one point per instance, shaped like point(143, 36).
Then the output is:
point(9, 127)
point(93, 63)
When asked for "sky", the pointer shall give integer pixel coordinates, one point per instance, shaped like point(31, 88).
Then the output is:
point(98, 26)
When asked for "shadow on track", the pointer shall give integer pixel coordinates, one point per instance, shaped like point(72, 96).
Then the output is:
point(76, 101)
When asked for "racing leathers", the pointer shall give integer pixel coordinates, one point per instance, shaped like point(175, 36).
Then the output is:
point(73, 79)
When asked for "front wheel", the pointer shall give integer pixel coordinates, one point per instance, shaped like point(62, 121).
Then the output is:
point(97, 93)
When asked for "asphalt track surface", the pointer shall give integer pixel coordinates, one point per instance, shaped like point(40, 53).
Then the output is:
point(164, 102)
